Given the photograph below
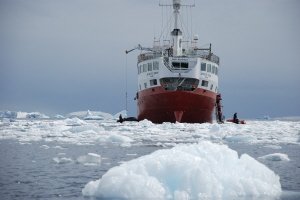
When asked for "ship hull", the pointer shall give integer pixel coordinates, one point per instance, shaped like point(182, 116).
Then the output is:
point(158, 105)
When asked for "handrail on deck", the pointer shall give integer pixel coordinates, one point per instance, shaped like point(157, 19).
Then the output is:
point(201, 54)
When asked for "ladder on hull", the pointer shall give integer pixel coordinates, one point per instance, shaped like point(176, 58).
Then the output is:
point(218, 109)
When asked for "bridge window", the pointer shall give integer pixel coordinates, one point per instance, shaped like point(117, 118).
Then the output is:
point(204, 83)
point(203, 67)
point(155, 65)
point(150, 66)
point(211, 87)
point(153, 82)
point(144, 67)
point(213, 69)
point(208, 67)
point(216, 71)
point(140, 68)
point(182, 65)
point(145, 85)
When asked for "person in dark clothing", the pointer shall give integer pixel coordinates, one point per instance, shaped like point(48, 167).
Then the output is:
point(129, 119)
point(120, 119)
point(235, 119)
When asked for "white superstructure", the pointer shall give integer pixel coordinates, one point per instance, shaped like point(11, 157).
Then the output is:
point(180, 60)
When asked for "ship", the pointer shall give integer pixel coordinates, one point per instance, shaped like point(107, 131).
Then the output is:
point(177, 80)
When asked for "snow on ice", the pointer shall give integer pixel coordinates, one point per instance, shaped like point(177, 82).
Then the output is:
point(195, 171)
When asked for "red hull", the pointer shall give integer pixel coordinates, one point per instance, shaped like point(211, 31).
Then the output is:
point(159, 105)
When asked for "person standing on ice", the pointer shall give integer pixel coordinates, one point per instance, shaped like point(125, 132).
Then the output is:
point(120, 119)
point(235, 119)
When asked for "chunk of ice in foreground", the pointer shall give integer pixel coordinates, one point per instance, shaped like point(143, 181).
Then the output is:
point(197, 171)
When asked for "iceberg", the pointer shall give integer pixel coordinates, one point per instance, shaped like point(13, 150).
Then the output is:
point(8, 114)
point(195, 171)
point(59, 116)
point(36, 115)
point(22, 115)
point(288, 118)
point(87, 114)
point(91, 116)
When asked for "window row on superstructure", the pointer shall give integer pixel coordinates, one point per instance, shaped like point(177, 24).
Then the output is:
point(205, 67)
point(174, 83)
point(205, 84)
point(153, 82)
point(147, 67)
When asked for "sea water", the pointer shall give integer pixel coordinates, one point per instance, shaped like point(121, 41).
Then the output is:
point(56, 159)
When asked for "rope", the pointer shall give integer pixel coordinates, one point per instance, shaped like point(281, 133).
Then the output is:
point(126, 108)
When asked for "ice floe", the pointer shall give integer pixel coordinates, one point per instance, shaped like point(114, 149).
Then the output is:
point(195, 171)
point(45, 146)
point(86, 127)
point(79, 131)
point(74, 121)
point(117, 139)
point(275, 157)
point(62, 160)
point(58, 147)
point(89, 159)
point(272, 146)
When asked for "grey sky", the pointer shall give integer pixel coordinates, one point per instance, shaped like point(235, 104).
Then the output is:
point(58, 56)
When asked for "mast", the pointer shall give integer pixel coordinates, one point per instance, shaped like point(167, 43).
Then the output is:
point(176, 33)
point(176, 7)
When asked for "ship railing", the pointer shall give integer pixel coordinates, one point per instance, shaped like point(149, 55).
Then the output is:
point(166, 54)
point(206, 55)
point(202, 54)
point(148, 56)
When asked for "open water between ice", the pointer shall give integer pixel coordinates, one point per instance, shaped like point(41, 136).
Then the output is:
point(55, 159)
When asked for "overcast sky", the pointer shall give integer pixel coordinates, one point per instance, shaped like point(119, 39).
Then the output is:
point(59, 56)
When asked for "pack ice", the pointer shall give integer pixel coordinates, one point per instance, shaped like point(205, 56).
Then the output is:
point(195, 171)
